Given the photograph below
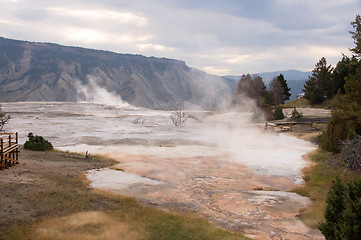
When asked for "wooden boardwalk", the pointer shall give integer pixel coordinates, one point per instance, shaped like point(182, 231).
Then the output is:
point(9, 150)
point(280, 126)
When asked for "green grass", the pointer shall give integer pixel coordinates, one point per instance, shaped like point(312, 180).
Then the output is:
point(318, 180)
point(303, 102)
point(161, 225)
point(296, 103)
point(98, 159)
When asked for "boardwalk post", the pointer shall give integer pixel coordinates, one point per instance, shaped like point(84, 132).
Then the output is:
point(9, 149)
point(9, 163)
point(2, 163)
point(17, 149)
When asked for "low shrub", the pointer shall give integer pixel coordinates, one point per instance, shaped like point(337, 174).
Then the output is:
point(340, 127)
point(278, 114)
point(37, 143)
point(296, 114)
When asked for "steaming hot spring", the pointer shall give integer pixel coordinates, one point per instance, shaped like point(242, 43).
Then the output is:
point(220, 166)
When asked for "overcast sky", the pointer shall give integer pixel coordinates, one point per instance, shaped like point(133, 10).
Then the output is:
point(218, 36)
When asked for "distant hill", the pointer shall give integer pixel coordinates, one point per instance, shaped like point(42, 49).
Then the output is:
point(295, 79)
point(50, 72)
point(290, 75)
point(296, 87)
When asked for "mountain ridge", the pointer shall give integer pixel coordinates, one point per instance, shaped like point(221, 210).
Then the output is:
point(51, 72)
point(291, 75)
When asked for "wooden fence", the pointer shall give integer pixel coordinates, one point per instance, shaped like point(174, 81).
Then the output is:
point(9, 150)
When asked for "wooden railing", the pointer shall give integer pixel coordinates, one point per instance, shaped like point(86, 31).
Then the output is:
point(280, 126)
point(9, 149)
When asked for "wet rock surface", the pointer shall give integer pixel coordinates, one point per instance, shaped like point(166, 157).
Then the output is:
point(226, 193)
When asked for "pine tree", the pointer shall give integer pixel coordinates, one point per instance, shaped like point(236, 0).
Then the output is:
point(286, 89)
point(343, 211)
point(346, 120)
point(336, 204)
point(277, 91)
point(278, 113)
point(313, 91)
point(351, 226)
point(356, 35)
point(344, 68)
point(318, 86)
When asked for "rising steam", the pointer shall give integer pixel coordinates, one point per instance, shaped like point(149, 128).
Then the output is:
point(94, 93)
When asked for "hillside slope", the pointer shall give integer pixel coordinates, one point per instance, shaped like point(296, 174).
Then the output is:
point(50, 72)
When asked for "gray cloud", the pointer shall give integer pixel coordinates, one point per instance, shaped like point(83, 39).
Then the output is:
point(219, 36)
point(29, 14)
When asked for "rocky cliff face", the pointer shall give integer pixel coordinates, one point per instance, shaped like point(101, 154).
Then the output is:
point(50, 72)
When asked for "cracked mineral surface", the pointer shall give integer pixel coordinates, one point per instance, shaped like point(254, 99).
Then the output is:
point(218, 165)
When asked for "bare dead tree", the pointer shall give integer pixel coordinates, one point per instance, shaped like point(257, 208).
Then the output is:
point(139, 120)
point(277, 91)
point(252, 87)
point(4, 119)
point(87, 155)
point(351, 152)
point(178, 118)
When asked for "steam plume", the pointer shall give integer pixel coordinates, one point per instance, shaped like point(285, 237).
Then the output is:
point(94, 93)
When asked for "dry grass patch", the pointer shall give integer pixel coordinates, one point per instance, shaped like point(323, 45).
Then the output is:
point(311, 136)
point(303, 102)
point(318, 180)
point(59, 205)
point(86, 226)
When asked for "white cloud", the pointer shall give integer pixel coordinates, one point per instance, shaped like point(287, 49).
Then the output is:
point(84, 35)
point(155, 47)
point(100, 15)
point(216, 71)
